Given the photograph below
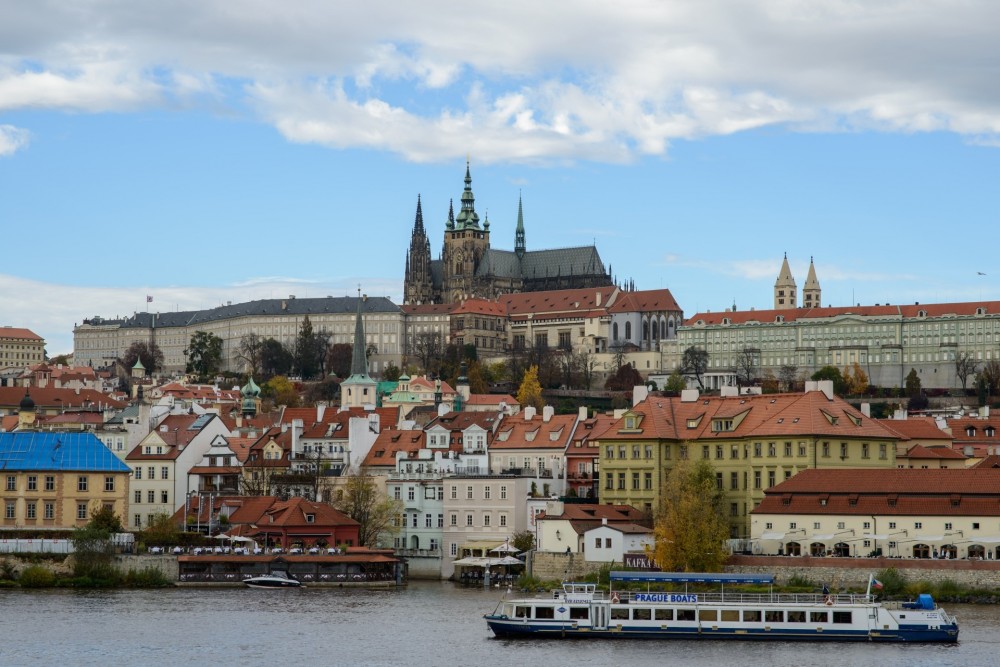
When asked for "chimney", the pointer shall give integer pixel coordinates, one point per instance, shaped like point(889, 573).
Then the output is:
point(582, 413)
point(529, 413)
point(320, 409)
point(729, 391)
point(547, 413)
point(297, 427)
point(604, 520)
point(968, 451)
point(689, 395)
point(597, 301)
point(639, 394)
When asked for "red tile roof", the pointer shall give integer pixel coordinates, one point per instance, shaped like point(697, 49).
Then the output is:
point(18, 334)
point(545, 305)
point(793, 314)
point(175, 432)
point(48, 398)
point(921, 452)
point(427, 309)
point(516, 432)
point(644, 301)
point(916, 428)
point(388, 442)
point(480, 307)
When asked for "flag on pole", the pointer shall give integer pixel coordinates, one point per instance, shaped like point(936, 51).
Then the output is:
point(876, 584)
point(149, 298)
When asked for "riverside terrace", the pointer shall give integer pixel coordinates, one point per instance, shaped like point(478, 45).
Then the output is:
point(358, 567)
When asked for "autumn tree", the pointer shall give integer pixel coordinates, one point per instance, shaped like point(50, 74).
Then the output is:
point(523, 540)
point(690, 527)
point(530, 391)
point(427, 347)
point(148, 353)
point(625, 379)
point(769, 382)
point(990, 375)
point(204, 354)
point(281, 390)
point(477, 381)
point(361, 499)
point(965, 366)
point(694, 363)
point(338, 359)
point(855, 379)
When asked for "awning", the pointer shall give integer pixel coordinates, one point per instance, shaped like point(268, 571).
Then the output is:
point(487, 545)
point(822, 538)
point(874, 536)
point(772, 536)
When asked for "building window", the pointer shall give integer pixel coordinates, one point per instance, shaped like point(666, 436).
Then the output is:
point(151, 496)
point(882, 451)
point(454, 492)
point(109, 483)
point(428, 520)
point(770, 478)
point(396, 493)
point(486, 492)
point(683, 449)
point(165, 497)
point(918, 525)
point(649, 451)
point(788, 449)
point(734, 481)
point(454, 549)
point(32, 482)
point(635, 481)
point(756, 479)
point(165, 472)
point(771, 449)
point(468, 492)
point(81, 483)
point(503, 493)
point(10, 509)
point(648, 481)
point(138, 473)
point(410, 494)
point(826, 450)
point(468, 519)
point(81, 511)
point(137, 521)
point(609, 482)
point(454, 519)
point(503, 520)
point(151, 472)
point(947, 526)
point(486, 519)
point(440, 520)
point(138, 497)
point(843, 450)
point(29, 510)
point(50, 510)
point(864, 450)
point(50, 483)
point(621, 481)
point(756, 449)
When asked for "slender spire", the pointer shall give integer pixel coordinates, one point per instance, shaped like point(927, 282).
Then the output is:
point(467, 217)
point(519, 244)
point(359, 361)
point(418, 224)
point(450, 224)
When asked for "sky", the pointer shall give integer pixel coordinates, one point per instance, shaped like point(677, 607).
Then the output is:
point(204, 151)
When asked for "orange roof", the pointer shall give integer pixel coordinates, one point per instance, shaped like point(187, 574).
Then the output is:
point(480, 307)
point(519, 433)
point(59, 398)
point(18, 334)
point(967, 309)
point(921, 452)
point(596, 512)
point(539, 305)
point(491, 399)
point(176, 432)
point(970, 431)
point(916, 428)
point(762, 415)
point(644, 301)
point(427, 308)
point(388, 442)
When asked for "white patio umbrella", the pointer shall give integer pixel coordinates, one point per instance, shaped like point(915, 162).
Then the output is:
point(506, 548)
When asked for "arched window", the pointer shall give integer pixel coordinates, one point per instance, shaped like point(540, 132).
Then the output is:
point(793, 549)
point(614, 331)
point(656, 330)
point(645, 330)
point(628, 331)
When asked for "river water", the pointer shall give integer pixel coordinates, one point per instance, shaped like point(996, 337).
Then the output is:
point(426, 623)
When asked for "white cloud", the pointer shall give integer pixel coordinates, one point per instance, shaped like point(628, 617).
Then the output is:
point(51, 310)
point(522, 81)
point(12, 139)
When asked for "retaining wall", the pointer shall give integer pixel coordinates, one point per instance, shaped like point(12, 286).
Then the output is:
point(855, 571)
point(165, 563)
point(560, 566)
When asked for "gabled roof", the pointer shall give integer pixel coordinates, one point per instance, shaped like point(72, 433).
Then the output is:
point(49, 398)
point(14, 333)
point(492, 399)
point(32, 450)
point(921, 452)
point(590, 302)
point(176, 432)
point(388, 442)
point(516, 432)
point(598, 513)
point(459, 421)
point(479, 307)
point(644, 301)
point(916, 428)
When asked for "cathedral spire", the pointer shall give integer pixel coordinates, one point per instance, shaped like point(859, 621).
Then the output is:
point(450, 224)
point(811, 292)
point(467, 217)
point(359, 361)
point(418, 223)
point(519, 245)
point(358, 390)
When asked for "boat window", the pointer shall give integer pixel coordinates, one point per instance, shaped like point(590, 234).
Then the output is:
point(796, 617)
point(642, 614)
point(751, 616)
point(730, 615)
point(545, 612)
point(841, 617)
point(579, 613)
point(774, 616)
point(664, 614)
point(685, 614)
point(521, 612)
point(708, 615)
point(819, 617)
point(619, 613)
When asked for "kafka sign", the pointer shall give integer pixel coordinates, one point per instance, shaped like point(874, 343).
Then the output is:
point(665, 597)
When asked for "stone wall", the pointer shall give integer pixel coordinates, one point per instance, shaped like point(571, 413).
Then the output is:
point(547, 565)
point(166, 564)
point(854, 571)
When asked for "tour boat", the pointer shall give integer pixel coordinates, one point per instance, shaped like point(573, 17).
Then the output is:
point(277, 579)
point(580, 610)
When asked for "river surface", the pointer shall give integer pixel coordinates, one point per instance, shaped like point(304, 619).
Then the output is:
point(426, 623)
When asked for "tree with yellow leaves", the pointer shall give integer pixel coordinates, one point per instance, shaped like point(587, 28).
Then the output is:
point(530, 392)
point(856, 379)
point(690, 527)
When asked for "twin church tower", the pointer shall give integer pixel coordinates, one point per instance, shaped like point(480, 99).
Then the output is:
point(785, 290)
point(468, 267)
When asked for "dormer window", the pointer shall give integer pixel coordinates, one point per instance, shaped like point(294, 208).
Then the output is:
point(310, 518)
point(970, 431)
point(921, 313)
point(630, 422)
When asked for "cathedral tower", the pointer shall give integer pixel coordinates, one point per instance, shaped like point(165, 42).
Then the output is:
point(785, 290)
point(465, 244)
point(811, 292)
point(418, 284)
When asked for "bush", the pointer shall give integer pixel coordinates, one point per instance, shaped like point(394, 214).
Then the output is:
point(7, 570)
point(893, 581)
point(37, 576)
point(798, 581)
point(948, 589)
point(149, 577)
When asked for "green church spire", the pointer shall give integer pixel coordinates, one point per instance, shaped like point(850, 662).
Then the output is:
point(467, 218)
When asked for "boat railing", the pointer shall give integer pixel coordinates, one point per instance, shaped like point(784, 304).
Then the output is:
point(730, 597)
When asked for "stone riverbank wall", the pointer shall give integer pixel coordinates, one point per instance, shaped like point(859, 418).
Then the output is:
point(165, 563)
point(854, 571)
point(559, 566)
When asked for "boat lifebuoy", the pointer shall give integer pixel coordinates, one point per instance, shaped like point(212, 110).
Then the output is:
point(829, 601)
point(614, 598)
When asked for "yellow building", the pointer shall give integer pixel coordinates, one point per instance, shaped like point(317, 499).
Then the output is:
point(752, 442)
point(56, 481)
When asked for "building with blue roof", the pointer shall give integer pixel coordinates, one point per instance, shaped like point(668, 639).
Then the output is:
point(56, 481)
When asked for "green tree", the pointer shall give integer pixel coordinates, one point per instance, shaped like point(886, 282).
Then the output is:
point(990, 374)
point(694, 363)
point(105, 519)
point(59, 359)
point(523, 540)
point(833, 374)
point(93, 551)
point(690, 526)
point(204, 354)
point(675, 383)
point(161, 531)
point(530, 391)
point(311, 349)
point(362, 499)
point(913, 388)
point(275, 359)
point(392, 373)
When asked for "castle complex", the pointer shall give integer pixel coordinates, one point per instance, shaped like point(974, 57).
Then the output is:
point(468, 267)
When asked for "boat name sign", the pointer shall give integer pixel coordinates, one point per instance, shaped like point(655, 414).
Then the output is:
point(666, 597)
